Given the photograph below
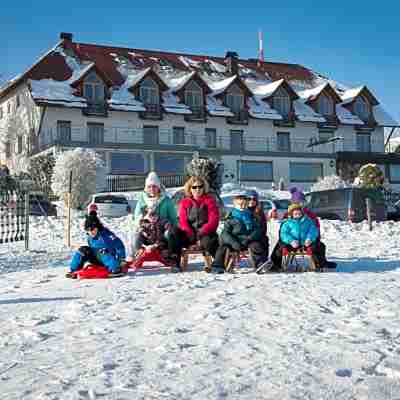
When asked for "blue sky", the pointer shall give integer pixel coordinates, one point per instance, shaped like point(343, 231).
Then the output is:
point(353, 42)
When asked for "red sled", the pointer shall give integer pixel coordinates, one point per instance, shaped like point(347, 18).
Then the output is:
point(92, 271)
point(149, 256)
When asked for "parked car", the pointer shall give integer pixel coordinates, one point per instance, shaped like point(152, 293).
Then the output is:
point(40, 206)
point(347, 204)
point(109, 205)
point(273, 208)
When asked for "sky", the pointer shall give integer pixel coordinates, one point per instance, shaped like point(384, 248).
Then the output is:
point(352, 42)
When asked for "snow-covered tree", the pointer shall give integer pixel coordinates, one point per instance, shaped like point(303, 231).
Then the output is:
point(329, 182)
point(370, 176)
point(88, 175)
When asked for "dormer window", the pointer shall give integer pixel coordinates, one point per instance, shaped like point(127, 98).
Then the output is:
point(93, 89)
point(235, 99)
point(281, 102)
point(193, 95)
point(361, 108)
point(149, 93)
point(325, 105)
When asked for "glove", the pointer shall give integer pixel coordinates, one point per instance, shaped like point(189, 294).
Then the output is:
point(294, 244)
point(307, 242)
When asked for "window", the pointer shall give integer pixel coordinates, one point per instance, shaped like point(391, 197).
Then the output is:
point(237, 144)
point(305, 172)
point(93, 89)
point(8, 150)
point(325, 136)
point(150, 135)
point(64, 131)
point(281, 102)
point(325, 105)
point(235, 99)
point(17, 100)
point(283, 141)
point(394, 171)
point(178, 135)
point(211, 137)
point(19, 148)
point(361, 108)
point(127, 163)
point(170, 164)
point(149, 92)
point(363, 142)
point(255, 170)
point(193, 95)
point(95, 134)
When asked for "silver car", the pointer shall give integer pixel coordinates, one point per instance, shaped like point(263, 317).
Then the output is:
point(109, 205)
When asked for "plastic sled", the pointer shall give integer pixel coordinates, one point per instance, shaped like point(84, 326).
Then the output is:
point(145, 257)
point(92, 271)
point(301, 260)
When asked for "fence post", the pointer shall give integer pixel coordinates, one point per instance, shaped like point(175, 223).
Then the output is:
point(369, 214)
point(69, 210)
point(27, 220)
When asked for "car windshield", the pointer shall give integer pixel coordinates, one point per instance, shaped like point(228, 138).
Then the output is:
point(282, 204)
point(110, 200)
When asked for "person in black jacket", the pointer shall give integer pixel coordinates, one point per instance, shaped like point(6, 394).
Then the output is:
point(241, 231)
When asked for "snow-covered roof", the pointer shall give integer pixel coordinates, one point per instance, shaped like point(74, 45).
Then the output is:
point(51, 79)
point(260, 109)
point(305, 113)
point(383, 118)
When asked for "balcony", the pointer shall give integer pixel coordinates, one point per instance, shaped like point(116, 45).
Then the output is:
point(198, 115)
point(194, 140)
point(153, 112)
point(241, 117)
point(95, 110)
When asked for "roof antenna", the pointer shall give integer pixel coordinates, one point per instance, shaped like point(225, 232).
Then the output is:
point(260, 48)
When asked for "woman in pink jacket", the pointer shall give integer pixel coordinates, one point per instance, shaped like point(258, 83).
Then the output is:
point(198, 217)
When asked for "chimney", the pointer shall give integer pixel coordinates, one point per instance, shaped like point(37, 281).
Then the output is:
point(67, 37)
point(231, 60)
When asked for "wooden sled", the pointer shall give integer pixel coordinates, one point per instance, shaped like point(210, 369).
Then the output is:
point(232, 259)
point(194, 250)
point(300, 260)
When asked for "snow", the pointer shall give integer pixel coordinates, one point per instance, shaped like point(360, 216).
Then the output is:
point(308, 93)
point(305, 113)
point(216, 109)
point(219, 87)
point(201, 336)
point(171, 105)
point(263, 89)
point(260, 109)
point(350, 94)
point(346, 117)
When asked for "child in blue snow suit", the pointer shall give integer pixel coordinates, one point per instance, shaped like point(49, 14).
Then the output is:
point(241, 231)
point(104, 248)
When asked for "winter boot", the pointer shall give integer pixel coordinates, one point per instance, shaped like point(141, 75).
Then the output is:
point(71, 275)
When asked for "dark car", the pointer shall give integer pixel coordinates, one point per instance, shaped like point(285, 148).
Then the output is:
point(347, 204)
point(39, 205)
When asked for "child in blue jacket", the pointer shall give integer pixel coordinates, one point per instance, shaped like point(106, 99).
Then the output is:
point(104, 248)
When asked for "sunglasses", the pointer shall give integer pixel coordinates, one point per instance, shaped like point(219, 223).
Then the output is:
point(198, 187)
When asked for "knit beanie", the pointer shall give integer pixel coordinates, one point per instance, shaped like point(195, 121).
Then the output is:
point(297, 195)
point(153, 179)
point(253, 194)
point(292, 207)
point(92, 221)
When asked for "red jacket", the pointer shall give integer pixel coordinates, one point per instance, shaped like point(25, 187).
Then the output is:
point(198, 217)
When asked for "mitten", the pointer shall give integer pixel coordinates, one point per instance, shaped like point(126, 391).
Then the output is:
point(294, 244)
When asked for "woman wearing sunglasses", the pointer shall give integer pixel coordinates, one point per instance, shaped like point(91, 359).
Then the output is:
point(198, 217)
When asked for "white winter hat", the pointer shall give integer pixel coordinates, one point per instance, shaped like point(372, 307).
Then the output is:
point(153, 179)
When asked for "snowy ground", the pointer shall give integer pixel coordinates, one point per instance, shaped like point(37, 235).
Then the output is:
point(202, 336)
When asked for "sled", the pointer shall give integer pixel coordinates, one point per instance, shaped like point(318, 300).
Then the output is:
point(301, 260)
point(194, 250)
point(92, 271)
point(233, 258)
point(145, 257)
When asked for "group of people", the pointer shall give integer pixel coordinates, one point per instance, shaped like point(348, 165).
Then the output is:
point(159, 227)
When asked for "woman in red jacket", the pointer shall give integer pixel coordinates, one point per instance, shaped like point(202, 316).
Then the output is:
point(198, 217)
